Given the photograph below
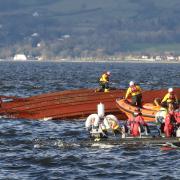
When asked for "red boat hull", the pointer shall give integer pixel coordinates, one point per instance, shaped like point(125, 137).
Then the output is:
point(69, 104)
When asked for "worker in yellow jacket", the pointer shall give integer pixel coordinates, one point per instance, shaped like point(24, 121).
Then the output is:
point(104, 81)
point(136, 94)
point(170, 98)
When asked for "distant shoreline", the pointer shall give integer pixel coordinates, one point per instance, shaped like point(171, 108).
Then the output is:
point(106, 61)
point(97, 61)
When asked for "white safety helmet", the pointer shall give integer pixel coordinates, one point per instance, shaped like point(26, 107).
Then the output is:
point(170, 90)
point(108, 73)
point(131, 83)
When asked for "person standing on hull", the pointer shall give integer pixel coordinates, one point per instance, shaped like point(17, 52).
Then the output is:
point(136, 94)
point(104, 81)
point(170, 98)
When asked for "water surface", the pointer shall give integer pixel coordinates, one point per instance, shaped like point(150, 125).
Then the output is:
point(53, 150)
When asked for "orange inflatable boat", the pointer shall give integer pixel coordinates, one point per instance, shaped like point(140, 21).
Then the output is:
point(149, 109)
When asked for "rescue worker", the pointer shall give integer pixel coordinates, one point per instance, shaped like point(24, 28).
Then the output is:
point(170, 98)
point(104, 81)
point(111, 123)
point(136, 124)
point(170, 124)
point(102, 126)
point(94, 124)
point(160, 119)
point(177, 115)
point(135, 92)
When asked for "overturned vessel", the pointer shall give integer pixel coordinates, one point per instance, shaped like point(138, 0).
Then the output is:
point(70, 104)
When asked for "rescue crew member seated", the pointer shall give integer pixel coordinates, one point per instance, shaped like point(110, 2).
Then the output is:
point(136, 124)
point(135, 92)
point(170, 98)
point(104, 81)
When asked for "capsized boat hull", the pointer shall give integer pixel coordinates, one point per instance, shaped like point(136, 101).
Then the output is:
point(69, 104)
point(148, 98)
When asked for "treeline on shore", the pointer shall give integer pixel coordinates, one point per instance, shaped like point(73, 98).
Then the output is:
point(55, 30)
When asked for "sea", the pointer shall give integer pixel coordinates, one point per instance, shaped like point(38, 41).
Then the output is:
point(50, 150)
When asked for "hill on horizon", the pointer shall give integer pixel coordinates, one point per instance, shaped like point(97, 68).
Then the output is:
point(73, 28)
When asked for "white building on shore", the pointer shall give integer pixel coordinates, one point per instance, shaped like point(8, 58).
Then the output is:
point(20, 57)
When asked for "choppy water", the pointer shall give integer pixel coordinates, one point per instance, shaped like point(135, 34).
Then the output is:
point(36, 149)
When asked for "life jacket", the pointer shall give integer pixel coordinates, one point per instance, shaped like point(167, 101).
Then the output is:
point(135, 90)
point(169, 125)
point(114, 125)
point(135, 125)
point(104, 78)
point(111, 122)
point(171, 98)
point(135, 129)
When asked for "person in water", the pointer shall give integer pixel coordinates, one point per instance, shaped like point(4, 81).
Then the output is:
point(170, 98)
point(136, 124)
point(135, 92)
point(104, 81)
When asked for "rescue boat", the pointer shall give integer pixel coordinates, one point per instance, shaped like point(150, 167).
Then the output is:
point(149, 109)
point(148, 114)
